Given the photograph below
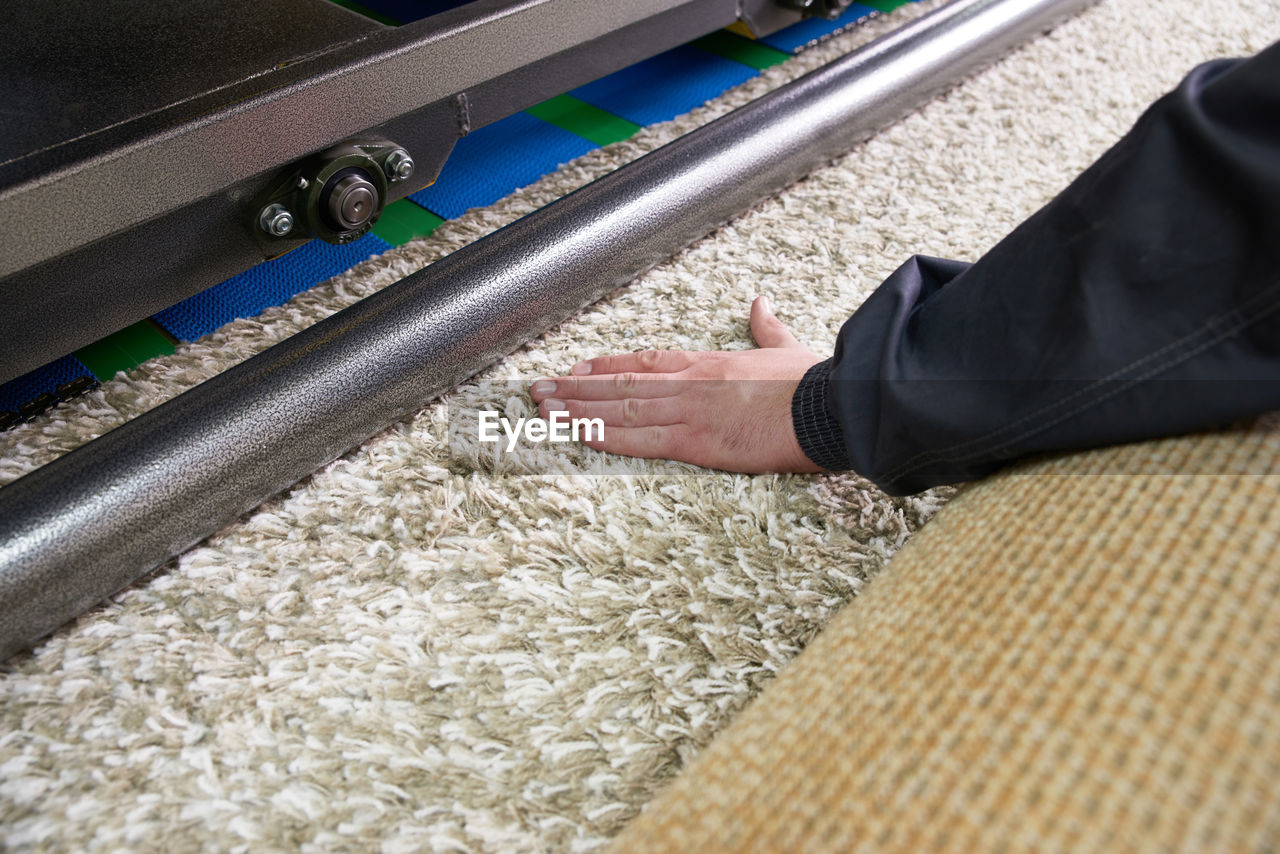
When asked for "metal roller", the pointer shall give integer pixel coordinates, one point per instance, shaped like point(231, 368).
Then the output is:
point(88, 524)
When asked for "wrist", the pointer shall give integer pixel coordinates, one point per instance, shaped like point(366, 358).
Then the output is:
point(818, 433)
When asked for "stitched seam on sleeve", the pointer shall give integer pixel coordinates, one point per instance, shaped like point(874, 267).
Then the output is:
point(1103, 389)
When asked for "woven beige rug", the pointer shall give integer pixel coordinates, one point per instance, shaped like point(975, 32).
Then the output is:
point(1079, 654)
point(407, 652)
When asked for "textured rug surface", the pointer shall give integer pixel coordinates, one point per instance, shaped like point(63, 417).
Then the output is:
point(409, 651)
point(1056, 663)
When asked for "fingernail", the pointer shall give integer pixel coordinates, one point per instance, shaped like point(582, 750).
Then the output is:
point(581, 369)
point(764, 303)
point(543, 387)
point(554, 405)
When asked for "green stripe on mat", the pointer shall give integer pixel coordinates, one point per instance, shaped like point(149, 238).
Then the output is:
point(402, 221)
point(569, 113)
point(884, 5)
point(740, 49)
point(126, 349)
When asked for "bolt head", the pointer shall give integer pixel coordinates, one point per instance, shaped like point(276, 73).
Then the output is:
point(276, 220)
point(398, 165)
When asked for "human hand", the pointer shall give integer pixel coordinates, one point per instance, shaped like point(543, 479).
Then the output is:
point(722, 410)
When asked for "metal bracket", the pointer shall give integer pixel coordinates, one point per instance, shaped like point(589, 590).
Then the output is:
point(336, 195)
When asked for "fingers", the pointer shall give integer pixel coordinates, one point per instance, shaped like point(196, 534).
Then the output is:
point(646, 374)
point(629, 412)
point(608, 386)
point(767, 329)
point(623, 390)
point(645, 361)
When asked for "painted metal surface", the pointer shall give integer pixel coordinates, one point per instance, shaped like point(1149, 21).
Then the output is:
point(324, 96)
point(88, 524)
point(153, 197)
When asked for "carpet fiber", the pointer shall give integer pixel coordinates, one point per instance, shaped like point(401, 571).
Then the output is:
point(408, 651)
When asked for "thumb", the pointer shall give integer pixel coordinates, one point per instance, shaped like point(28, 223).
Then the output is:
point(767, 329)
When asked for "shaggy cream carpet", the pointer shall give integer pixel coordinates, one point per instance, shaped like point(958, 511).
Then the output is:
point(411, 652)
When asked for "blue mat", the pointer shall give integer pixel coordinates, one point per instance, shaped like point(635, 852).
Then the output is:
point(31, 385)
point(796, 36)
point(268, 284)
point(668, 85)
point(489, 163)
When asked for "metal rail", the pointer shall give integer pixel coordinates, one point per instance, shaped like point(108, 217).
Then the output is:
point(86, 525)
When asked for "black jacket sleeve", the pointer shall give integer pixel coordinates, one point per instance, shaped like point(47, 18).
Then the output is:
point(1142, 301)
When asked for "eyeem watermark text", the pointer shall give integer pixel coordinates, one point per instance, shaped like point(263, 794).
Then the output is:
point(558, 428)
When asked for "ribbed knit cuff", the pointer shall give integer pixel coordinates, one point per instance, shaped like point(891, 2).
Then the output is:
point(819, 433)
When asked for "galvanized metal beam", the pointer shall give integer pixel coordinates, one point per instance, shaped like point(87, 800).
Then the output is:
point(86, 525)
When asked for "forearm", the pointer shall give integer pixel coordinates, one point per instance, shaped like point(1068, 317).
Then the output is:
point(1143, 301)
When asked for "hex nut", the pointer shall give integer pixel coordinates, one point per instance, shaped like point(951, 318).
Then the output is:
point(276, 220)
point(398, 165)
